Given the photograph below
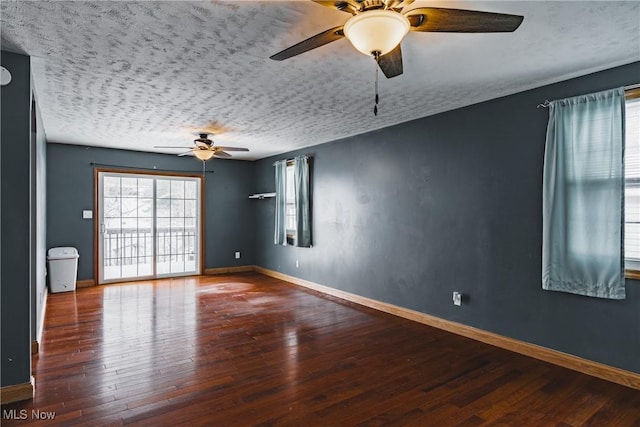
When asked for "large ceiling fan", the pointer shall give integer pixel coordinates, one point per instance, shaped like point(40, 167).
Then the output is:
point(205, 150)
point(378, 26)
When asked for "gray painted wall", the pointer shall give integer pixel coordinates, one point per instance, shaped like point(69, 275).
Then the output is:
point(452, 202)
point(229, 224)
point(16, 219)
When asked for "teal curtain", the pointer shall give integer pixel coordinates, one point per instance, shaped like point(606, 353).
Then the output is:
point(280, 234)
point(583, 196)
point(303, 201)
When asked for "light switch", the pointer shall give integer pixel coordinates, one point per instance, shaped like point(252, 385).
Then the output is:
point(87, 214)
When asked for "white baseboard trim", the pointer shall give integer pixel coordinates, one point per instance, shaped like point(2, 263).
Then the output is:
point(585, 366)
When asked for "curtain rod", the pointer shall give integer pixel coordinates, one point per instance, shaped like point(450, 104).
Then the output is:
point(546, 102)
point(147, 169)
point(301, 156)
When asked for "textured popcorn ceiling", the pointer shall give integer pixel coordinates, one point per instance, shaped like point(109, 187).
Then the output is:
point(137, 74)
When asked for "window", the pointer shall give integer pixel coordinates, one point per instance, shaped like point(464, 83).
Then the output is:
point(293, 202)
point(632, 185)
point(290, 200)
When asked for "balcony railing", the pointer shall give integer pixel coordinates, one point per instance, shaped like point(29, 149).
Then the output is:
point(128, 246)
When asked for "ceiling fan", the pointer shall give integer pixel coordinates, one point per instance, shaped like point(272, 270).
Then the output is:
point(378, 26)
point(204, 148)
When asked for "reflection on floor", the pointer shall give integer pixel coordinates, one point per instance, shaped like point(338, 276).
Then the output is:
point(246, 349)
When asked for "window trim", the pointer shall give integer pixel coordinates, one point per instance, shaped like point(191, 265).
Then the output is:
point(632, 273)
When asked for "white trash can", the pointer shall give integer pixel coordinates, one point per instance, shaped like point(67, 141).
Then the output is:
point(63, 269)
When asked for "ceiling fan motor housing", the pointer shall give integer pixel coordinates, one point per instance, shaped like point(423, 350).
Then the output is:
point(371, 4)
point(203, 139)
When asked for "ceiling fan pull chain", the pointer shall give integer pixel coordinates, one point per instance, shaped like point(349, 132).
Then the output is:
point(376, 55)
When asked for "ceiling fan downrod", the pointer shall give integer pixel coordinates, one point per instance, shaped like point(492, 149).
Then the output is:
point(376, 55)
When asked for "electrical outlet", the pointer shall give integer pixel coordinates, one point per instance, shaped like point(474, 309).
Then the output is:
point(237, 255)
point(457, 298)
point(297, 264)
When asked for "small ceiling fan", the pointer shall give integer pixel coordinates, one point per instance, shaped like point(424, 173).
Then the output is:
point(378, 26)
point(205, 150)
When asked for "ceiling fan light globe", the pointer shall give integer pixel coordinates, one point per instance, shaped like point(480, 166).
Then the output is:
point(203, 155)
point(376, 31)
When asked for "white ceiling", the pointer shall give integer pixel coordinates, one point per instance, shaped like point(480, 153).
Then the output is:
point(137, 74)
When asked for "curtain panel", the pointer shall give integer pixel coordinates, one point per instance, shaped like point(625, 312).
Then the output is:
point(583, 196)
point(280, 233)
point(303, 201)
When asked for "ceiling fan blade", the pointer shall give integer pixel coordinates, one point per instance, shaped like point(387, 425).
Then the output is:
point(185, 153)
point(222, 154)
point(434, 19)
point(318, 40)
point(169, 146)
point(350, 6)
point(230, 148)
point(391, 63)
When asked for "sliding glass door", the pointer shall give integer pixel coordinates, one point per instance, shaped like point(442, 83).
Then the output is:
point(149, 226)
point(177, 232)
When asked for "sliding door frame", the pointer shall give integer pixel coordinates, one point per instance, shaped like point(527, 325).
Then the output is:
point(96, 214)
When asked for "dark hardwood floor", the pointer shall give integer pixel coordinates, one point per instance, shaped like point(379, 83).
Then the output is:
point(247, 349)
